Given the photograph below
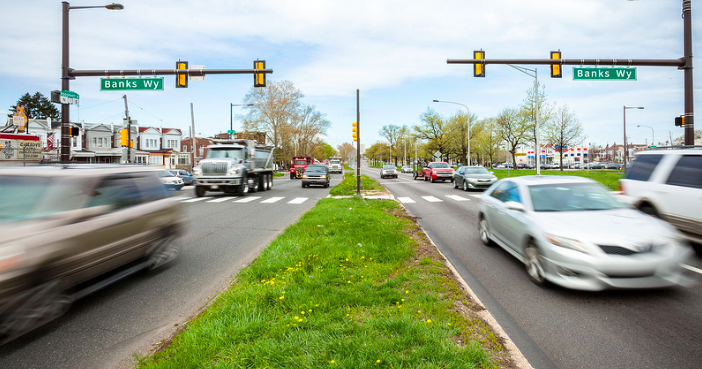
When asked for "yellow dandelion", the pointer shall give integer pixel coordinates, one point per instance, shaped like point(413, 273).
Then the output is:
point(403, 300)
point(406, 292)
point(377, 361)
point(419, 311)
point(297, 317)
point(302, 312)
point(332, 362)
point(281, 297)
point(428, 320)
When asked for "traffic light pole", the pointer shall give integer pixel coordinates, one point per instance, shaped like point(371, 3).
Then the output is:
point(358, 145)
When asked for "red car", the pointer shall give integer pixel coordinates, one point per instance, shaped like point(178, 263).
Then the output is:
point(437, 170)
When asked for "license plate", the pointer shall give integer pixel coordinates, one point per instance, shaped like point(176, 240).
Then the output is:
point(214, 187)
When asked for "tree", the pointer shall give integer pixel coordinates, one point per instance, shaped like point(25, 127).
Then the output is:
point(433, 130)
point(527, 112)
point(392, 134)
point(308, 125)
point(274, 108)
point(323, 151)
point(563, 130)
point(345, 149)
point(36, 106)
point(514, 130)
point(487, 139)
point(457, 135)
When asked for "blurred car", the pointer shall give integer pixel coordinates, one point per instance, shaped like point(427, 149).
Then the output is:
point(406, 169)
point(70, 230)
point(388, 171)
point(547, 223)
point(668, 184)
point(612, 165)
point(473, 177)
point(316, 174)
point(170, 181)
point(184, 175)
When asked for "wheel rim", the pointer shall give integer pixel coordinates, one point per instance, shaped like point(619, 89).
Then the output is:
point(534, 267)
point(484, 232)
point(465, 186)
point(455, 184)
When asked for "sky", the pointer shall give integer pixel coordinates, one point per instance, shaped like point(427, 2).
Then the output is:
point(393, 52)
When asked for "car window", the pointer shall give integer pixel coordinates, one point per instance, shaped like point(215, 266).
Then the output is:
point(643, 166)
point(151, 188)
point(316, 169)
point(501, 192)
point(513, 193)
point(479, 170)
point(571, 197)
point(389, 167)
point(24, 197)
point(461, 170)
point(117, 191)
point(687, 172)
point(440, 165)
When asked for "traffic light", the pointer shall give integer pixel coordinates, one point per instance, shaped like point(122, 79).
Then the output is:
point(680, 121)
point(355, 131)
point(181, 78)
point(556, 68)
point(73, 131)
point(259, 78)
point(123, 137)
point(479, 68)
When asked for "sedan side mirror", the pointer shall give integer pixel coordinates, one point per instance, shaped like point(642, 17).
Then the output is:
point(517, 206)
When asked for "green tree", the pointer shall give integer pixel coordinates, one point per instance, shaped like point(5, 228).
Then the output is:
point(457, 135)
point(563, 130)
point(345, 149)
point(487, 139)
point(433, 130)
point(392, 134)
point(527, 112)
point(36, 106)
point(514, 130)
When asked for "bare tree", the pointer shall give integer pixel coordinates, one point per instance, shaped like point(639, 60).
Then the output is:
point(392, 134)
point(309, 125)
point(345, 149)
point(563, 130)
point(514, 131)
point(274, 108)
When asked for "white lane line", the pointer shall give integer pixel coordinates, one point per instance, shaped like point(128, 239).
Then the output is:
point(272, 200)
point(248, 199)
point(298, 200)
point(406, 200)
point(431, 199)
point(197, 199)
point(457, 198)
point(221, 199)
point(691, 268)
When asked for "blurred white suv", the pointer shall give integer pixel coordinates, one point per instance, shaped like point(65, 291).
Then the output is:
point(667, 183)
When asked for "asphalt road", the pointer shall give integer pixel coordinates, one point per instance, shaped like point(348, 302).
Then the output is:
point(104, 329)
point(554, 327)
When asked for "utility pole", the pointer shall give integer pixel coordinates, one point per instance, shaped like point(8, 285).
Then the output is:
point(129, 131)
point(358, 144)
point(192, 136)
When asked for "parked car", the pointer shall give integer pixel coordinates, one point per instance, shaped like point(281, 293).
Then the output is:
point(473, 177)
point(316, 174)
point(407, 169)
point(70, 230)
point(668, 184)
point(170, 181)
point(437, 170)
point(184, 175)
point(546, 222)
point(388, 171)
point(612, 165)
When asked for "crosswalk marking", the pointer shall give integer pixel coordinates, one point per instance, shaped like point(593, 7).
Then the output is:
point(298, 200)
point(272, 200)
point(406, 200)
point(477, 196)
point(248, 199)
point(221, 199)
point(457, 198)
point(431, 199)
point(197, 199)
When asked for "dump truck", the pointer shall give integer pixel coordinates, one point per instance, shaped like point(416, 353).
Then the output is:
point(234, 166)
point(336, 165)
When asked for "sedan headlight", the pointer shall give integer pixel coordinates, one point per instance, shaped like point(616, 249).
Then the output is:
point(304, 176)
point(568, 243)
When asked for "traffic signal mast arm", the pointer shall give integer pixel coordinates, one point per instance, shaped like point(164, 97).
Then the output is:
point(680, 63)
point(152, 72)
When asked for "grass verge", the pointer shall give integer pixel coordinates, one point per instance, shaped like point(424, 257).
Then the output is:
point(347, 187)
point(608, 178)
point(353, 284)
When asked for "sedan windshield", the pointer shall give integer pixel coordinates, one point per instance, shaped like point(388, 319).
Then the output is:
point(572, 197)
point(389, 167)
point(315, 169)
point(225, 153)
point(476, 170)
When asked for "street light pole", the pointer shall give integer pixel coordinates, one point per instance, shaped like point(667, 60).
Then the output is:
point(626, 150)
point(231, 116)
point(653, 134)
point(468, 123)
point(65, 78)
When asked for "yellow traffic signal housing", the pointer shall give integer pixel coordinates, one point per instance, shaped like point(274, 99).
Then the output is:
point(73, 131)
point(355, 130)
point(123, 141)
point(181, 78)
point(479, 68)
point(259, 78)
point(556, 71)
point(680, 121)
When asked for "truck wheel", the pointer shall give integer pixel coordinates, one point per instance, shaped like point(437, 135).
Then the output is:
point(253, 187)
point(262, 182)
point(199, 191)
point(292, 176)
point(244, 187)
point(270, 181)
point(415, 176)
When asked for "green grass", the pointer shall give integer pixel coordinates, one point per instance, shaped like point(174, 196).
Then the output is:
point(345, 287)
point(347, 187)
point(280, 174)
point(609, 178)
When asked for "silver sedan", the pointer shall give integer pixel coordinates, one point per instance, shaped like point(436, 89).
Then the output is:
point(571, 232)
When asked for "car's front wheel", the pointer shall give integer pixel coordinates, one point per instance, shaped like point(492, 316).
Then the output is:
point(533, 264)
point(465, 186)
point(455, 184)
point(199, 191)
point(484, 229)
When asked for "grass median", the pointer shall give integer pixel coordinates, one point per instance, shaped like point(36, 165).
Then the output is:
point(353, 284)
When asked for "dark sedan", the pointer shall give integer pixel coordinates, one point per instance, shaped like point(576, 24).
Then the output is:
point(473, 178)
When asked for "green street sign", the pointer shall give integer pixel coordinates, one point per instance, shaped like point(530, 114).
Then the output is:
point(116, 84)
point(68, 97)
point(620, 74)
point(231, 131)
